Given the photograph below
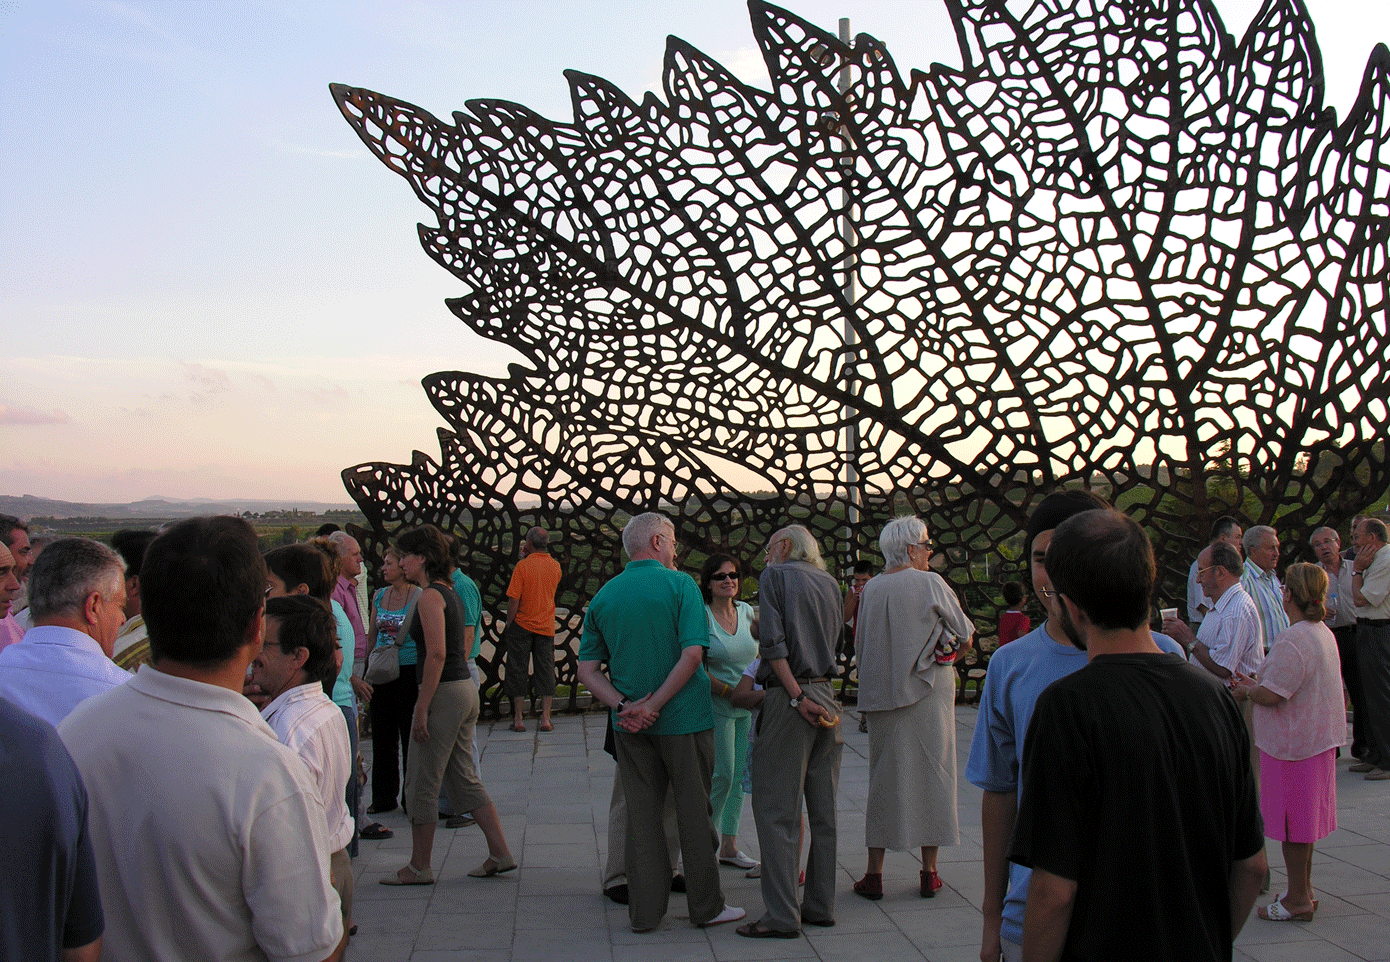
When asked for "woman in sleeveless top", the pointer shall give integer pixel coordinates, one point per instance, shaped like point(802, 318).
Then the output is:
point(393, 702)
point(446, 710)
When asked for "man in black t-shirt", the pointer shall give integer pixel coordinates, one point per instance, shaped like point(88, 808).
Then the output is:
point(1139, 813)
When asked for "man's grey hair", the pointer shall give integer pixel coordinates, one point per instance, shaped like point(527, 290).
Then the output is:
point(638, 532)
point(897, 536)
point(68, 571)
point(1255, 536)
point(803, 545)
point(538, 538)
point(1225, 556)
point(1324, 530)
point(340, 540)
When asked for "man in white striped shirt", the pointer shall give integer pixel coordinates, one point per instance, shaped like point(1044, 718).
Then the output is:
point(1229, 638)
point(299, 656)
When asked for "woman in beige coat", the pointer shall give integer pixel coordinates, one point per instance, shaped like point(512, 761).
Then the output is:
point(910, 628)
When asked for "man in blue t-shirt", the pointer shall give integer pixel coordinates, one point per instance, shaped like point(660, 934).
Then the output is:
point(649, 624)
point(49, 903)
point(1018, 673)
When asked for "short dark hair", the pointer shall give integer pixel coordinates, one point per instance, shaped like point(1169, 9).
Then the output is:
point(307, 623)
point(8, 523)
point(302, 564)
point(1013, 593)
point(863, 567)
point(1103, 561)
point(67, 572)
point(201, 587)
point(1223, 526)
point(1224, 555)
point(325, 544)
point(326, 528)
point(712, 564)
point(538, 538)
point(429, 543)
point(131, 545)
point(1056, 508)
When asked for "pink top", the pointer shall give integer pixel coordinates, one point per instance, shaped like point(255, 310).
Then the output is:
point(10, 632)
point(1302, 666)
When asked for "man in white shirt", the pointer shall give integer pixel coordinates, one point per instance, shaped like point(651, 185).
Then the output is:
point(210, 836)
point(1370, 585)
point(1261, 581)
point(76, 595)
point(1224, 528)
point(1229, 637)
point(298, 658)
point(10, 632)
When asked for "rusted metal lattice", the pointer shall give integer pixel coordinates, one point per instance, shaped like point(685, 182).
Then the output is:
point(1115, 249)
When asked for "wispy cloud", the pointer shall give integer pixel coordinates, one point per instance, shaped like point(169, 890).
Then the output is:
point(29, 417)
point(208, 381)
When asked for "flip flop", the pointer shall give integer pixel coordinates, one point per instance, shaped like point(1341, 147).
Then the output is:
point(375, 832)
point(545, 728)
point(755, 930)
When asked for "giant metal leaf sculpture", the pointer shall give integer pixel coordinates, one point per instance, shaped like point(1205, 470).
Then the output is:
point(1113, 249)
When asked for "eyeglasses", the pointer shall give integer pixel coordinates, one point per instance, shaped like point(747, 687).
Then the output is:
point(1202, 571)
point(927, 544)
point(725, 576)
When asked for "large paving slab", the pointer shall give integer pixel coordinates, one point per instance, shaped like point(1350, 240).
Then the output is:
point(552, 792)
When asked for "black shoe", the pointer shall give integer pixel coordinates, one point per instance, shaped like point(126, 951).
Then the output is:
point(378, 809)
point(618, 893)
point(678, 882)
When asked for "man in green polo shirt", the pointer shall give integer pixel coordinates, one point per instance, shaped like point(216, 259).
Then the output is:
point(649, 624)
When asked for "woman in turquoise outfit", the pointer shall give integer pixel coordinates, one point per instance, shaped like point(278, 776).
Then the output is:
point(732, 646)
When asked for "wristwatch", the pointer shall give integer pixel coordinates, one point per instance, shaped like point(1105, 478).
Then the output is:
point(796, 702)
point(622, 702)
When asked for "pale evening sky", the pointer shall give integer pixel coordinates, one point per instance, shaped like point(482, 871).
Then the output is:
point(210, 289)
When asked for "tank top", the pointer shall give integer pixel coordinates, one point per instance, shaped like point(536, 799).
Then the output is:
point(455, 651)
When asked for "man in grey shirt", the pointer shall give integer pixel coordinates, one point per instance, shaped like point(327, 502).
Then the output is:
point(797, 751)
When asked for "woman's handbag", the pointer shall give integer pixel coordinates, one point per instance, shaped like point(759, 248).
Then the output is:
point(383, 664)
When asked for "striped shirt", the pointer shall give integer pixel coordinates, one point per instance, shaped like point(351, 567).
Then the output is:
point(1231, 632)
point(1267, 592)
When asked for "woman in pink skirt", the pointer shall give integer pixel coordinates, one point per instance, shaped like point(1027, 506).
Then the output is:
point(1300, 721)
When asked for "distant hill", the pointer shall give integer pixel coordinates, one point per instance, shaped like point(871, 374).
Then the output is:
point(29, 506)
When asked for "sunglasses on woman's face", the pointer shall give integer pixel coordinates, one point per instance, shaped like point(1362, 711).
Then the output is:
point(725, 576)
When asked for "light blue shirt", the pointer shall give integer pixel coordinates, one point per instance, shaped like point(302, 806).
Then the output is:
point(1017, 674)
point(1268, 594)
point(53, 669)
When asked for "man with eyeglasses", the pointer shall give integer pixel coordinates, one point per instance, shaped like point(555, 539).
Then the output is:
point(649, 624)
point(1018, 673)
point(1224, 528)
point(1229, 638)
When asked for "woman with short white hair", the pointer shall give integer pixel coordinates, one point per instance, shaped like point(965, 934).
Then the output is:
point(911, 627)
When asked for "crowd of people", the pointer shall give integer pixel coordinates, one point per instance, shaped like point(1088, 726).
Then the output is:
point(250, 670)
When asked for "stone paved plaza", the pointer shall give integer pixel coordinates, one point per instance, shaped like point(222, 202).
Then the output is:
point(552, 791)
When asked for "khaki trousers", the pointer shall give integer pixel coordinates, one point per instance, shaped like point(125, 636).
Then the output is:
point(650, 766)
point(792, 760)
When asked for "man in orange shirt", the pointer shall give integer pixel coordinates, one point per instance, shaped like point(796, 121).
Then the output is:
point(530, 628)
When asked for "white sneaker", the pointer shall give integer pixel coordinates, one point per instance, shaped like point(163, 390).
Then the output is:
point(738, 860)
point(731, 913)
point(755, 872)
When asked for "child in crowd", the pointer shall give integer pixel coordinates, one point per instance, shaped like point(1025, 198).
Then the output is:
point(1013, 623)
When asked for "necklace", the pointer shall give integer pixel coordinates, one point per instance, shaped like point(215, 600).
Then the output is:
point(728, 620)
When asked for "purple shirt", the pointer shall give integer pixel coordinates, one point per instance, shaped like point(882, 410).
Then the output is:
point(345, 593)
